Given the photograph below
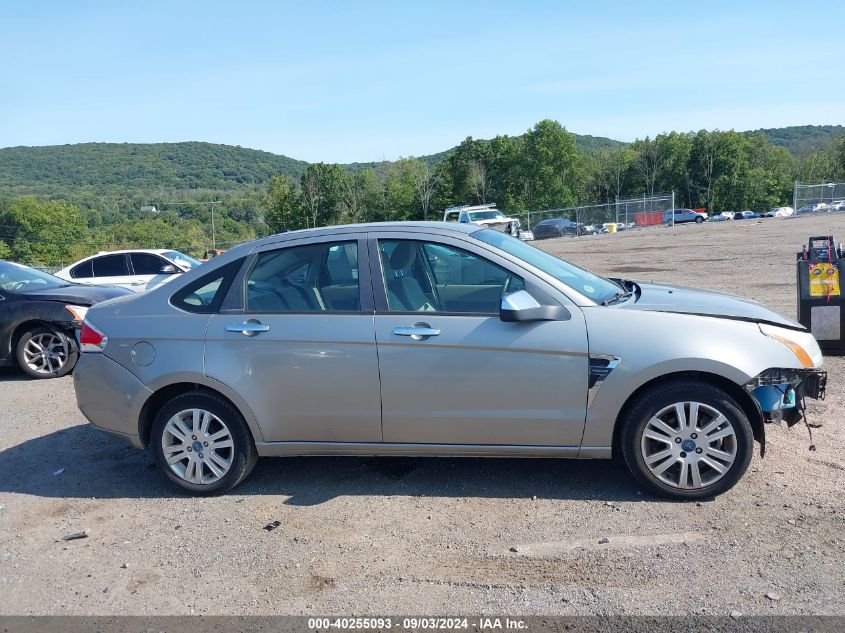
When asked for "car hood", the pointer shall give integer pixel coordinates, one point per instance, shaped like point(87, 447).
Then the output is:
point(681, 300)
point(77, 294)
point(493, 221)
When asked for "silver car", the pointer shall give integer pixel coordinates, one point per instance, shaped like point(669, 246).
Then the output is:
point(438, 339)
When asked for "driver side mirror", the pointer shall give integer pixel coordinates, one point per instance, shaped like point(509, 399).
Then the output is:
point(521, 306)
point(168, 269)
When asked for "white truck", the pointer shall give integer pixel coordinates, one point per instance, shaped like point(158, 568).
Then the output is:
point(488, 216)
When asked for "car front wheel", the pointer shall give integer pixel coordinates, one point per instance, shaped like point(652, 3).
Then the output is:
point(44, 352)
point(202, 444)
point(699, 220)
point(687, 440)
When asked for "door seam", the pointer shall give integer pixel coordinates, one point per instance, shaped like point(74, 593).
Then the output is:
point(373, 322)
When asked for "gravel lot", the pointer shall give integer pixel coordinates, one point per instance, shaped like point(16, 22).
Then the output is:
point(401, 535)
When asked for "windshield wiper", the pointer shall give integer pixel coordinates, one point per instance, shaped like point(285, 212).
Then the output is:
point(619, 296)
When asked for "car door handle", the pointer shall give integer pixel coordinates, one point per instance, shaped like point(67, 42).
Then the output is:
point(418, 332)
point(248, 328)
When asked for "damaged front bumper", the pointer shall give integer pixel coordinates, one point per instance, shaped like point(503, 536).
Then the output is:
point(781, 392)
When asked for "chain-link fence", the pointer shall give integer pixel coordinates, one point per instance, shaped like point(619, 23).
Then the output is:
point(622, 215)
point(47, 269)
point(821, 196)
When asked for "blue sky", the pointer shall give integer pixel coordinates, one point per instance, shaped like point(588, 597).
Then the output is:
point(361, 81)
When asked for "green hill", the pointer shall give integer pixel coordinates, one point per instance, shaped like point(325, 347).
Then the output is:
point(120, 169)
point(584, 142)
point(803, 139)
point(102, 167)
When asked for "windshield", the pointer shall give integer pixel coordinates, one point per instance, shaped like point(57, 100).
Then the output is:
point(17, 278)
point(588, 284)
point(182, 259)
point(485, 215)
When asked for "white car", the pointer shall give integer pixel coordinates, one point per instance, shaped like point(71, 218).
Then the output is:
point(839, 205)
point(138, 270)
point(781, 212)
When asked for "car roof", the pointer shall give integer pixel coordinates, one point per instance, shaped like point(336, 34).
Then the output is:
point(340, 229)
point(154, 251)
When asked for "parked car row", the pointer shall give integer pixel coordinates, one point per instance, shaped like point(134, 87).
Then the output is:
point(778, 212)
point(563, 227)
point(489, 216)
point(41, 314)
point(823, 207)
point(690, 215)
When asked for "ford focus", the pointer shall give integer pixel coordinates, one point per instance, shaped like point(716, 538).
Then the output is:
point(438, 339)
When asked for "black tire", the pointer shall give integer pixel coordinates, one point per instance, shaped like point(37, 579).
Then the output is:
point(68, 343)
point(699, 220)
point(244, 455)
point(661, 396)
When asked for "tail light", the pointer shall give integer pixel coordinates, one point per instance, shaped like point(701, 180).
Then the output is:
point(91, 339)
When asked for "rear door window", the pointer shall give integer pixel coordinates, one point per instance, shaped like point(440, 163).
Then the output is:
point(319, 277)
point(111, 266)
point(84, 270)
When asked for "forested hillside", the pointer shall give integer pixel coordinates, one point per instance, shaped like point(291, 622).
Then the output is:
point(108, 168)
point(103, 167)
point(62, 202)
point(802, 139)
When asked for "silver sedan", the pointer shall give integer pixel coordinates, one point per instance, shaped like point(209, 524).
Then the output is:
point(438, 339)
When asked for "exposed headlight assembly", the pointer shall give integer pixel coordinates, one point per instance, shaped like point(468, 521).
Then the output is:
point(782, 335)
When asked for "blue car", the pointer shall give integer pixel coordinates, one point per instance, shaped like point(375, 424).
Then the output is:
point(683, 215)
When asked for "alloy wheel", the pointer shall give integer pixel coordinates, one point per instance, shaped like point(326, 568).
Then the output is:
point(46, 353)
point(688, 445)
point(198, 446)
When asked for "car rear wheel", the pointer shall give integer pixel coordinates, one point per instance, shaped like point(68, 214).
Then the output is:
point(202, 444)
point(44, 352)
point(687, 440)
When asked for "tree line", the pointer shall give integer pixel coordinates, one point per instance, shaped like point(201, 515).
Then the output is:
point(545, 168)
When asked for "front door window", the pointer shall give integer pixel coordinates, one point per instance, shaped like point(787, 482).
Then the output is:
point(431, 277)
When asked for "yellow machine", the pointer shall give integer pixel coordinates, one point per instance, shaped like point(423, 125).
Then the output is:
point(820, 301)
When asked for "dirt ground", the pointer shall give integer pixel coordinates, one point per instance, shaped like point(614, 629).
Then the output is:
point(402, 536)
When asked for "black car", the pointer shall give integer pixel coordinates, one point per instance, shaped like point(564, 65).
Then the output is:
point(39, 314)
point(556, 227)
